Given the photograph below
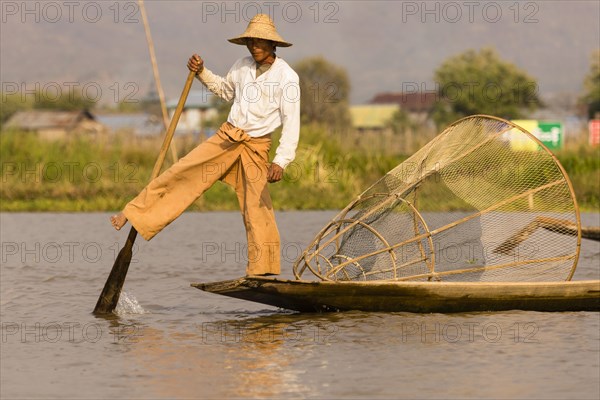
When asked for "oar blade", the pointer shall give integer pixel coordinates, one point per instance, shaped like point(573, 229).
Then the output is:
point(107, 302)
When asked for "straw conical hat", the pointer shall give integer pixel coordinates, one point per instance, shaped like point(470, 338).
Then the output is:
point(261, 27)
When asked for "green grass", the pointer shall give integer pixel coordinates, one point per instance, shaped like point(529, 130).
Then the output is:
point(582, 163)
point(85, 174)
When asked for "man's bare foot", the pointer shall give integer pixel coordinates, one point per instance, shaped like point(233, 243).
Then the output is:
point(118, 221)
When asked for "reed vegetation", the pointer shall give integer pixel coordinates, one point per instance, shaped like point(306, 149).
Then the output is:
point(103, 173)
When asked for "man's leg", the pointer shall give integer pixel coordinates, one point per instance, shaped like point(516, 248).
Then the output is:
point(169, 194)
point(257, 210)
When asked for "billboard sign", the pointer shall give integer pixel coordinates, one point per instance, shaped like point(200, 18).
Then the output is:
point(551, 134)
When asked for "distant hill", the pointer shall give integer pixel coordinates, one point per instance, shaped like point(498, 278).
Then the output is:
point(384, 45)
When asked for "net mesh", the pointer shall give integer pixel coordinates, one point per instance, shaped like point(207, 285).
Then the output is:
point(513, 215)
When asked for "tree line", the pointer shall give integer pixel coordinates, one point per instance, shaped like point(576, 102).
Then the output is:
point(473, 82)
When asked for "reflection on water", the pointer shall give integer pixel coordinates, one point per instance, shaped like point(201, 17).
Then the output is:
point(173, 341)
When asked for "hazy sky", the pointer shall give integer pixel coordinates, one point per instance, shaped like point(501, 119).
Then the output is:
point(384, 45)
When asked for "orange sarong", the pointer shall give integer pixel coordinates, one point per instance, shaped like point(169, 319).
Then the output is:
point(238, 160)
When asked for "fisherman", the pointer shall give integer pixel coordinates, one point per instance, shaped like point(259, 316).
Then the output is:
point(266, 94)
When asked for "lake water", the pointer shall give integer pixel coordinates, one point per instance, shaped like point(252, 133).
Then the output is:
point(173, 341)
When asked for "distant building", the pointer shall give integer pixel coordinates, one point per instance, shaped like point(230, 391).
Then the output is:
point(417, 105)
point(199, 107)
point(138, 124)
point(53, 125)
point(372, 118)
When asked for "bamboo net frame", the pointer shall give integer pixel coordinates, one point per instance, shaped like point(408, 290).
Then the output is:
point(501, 191)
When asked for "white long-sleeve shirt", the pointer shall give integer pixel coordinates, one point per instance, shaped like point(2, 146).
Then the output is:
point(261, 104)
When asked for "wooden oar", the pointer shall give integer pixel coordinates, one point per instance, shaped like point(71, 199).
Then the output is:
point(112, 288)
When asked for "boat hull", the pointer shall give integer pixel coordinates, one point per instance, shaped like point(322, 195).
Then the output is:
point(417, 297)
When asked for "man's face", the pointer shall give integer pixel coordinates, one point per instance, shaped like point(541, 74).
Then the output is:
point(260, 49)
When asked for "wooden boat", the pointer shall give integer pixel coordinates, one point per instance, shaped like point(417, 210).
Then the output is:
point(514, 245)
point(417, 297)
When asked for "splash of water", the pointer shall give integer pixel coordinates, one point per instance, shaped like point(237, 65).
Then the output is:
point(128, 304)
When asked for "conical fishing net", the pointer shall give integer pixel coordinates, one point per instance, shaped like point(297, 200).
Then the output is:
point(513, 215)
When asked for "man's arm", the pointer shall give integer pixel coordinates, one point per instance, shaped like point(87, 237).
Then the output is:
point(222, 87)
point(290, 118)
